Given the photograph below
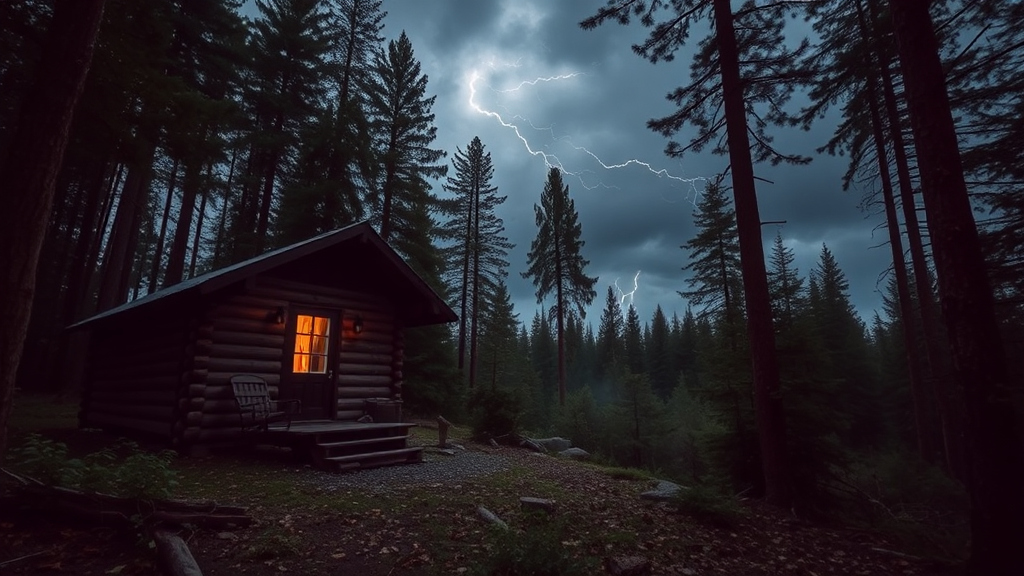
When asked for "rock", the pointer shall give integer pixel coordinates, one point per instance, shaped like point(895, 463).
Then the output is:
point(627, 566)
point(227, 536)
point(575, 454)
point(455, 446)
point(493, 443)
point(527, 443)
point(541, 454)
point(663, 492)
point(490, 517)
point(553, 444)
point(688, 572)
point(531, 503)
point(447, 451)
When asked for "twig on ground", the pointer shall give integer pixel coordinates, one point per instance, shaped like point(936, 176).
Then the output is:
point(25, 557)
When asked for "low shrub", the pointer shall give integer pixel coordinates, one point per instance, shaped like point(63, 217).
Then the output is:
point(539, 549)
point(710, 505)
point(121, 470)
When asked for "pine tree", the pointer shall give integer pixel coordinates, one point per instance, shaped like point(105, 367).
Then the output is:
point(633, 342)
point(556, 263)
point(610, 352)
point(785, 285)
point(477, 260)
point(402, 127)
point(996, 466)
point(744, 61)
point(658, 362)
point(714, 260)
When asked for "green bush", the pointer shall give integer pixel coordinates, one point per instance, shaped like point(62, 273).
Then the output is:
point(122, 469)
point(537, 550)
point(495, 411)
point(710, 505)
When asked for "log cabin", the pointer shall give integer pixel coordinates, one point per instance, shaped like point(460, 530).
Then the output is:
point(321, 321)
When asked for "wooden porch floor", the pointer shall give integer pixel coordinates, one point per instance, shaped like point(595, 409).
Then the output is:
point(340, 445)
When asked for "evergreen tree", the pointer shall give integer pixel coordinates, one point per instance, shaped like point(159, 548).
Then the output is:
point(785, 285)
point(402, 129)
point(359, 24)
point(633, 342)
point(659, 364)
point(745, 60)
point(290, 44)
point(714, 260)
point(544, 357)
point(556, 263)
point(610, 351)
point(477, 260)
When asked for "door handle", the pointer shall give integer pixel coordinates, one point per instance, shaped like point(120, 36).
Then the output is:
point(330, 374)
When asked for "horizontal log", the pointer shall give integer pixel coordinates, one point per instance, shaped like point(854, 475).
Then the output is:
point(223, 323)
point(213, 405)
point(248, 338)
point(349, 380)
point(366, 346)
point(299, 292)
point(246, 352)
point(345, 357)
point(110, 354)
point(102, 420)
point(350, 414)
point(221, 420)
point(252, 300)
point(345, 369)
point(222, 391)
point(157, 413)
point(141, 397)
point(351, 404)
point(365, 336)
point(147, 383)
point(364, 392)
point(241, 312)
point(138, 371)
point(239, 366)
point(132, 340)
point(273, 379)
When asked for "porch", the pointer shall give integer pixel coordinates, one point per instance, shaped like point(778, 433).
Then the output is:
point(341, 446)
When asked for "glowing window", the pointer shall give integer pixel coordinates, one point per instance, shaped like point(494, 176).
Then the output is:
point(311, 336)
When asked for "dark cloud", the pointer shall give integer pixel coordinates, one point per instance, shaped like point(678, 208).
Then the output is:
point(633, 218)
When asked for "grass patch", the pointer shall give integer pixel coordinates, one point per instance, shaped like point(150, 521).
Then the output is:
point(539, 548)
point(36, 412)
point(274, 542)
point(627, 473)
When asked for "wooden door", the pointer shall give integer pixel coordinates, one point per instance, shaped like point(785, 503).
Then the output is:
point(311, 361)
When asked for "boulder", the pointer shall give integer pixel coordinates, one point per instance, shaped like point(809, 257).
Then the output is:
point(490, 517)
point(555, 444)
point(627, 566)
point(663, 492)
point(531, 503)
point(575, 454)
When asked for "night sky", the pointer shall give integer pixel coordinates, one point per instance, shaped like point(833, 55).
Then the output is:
point(593, 112)
point(540, 91)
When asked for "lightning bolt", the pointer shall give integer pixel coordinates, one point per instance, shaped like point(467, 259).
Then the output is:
point(551, 160)
point(631, 293)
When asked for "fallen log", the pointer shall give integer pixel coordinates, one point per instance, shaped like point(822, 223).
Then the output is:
point(109, 510)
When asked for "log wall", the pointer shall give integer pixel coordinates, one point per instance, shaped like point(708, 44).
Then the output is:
point(366, 361)
point(134, 374)
point(234, 336)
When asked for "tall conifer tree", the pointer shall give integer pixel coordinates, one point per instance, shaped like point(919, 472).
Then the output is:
point(556, 264)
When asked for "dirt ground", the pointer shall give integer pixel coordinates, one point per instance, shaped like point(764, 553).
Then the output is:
point(434, 529)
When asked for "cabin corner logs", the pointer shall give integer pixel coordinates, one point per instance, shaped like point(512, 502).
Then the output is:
point(170, 375)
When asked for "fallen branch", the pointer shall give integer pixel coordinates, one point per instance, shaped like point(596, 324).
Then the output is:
point(109, 510)
point(174, 557)
point(25, 557)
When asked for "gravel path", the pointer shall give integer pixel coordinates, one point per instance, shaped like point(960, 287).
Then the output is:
point(435, 468)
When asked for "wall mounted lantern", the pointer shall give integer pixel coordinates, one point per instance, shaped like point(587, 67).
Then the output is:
point(357, 326)
point(276, 316)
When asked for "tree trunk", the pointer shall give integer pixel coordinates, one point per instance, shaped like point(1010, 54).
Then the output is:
point(183, 228)
point(475, 244)
point(771, 422)
point(918, 393)
point(29, 174)
point(995, 477)
point(158, 251)
point(199, 223)
point(121, 246)
point(942, 388)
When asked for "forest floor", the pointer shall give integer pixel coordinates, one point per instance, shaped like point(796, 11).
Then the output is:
point(404, 522)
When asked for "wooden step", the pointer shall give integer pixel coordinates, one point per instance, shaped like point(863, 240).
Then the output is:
point(374, 459)
point(363, 442)
point(361, 446)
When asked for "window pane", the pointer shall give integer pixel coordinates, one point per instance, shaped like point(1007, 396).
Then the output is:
point(319, 365)
point(304, 324)
point(319, 345)
point(322, 326)
point(300, 363)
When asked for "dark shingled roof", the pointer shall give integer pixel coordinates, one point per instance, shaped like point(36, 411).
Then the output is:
point(417, 303)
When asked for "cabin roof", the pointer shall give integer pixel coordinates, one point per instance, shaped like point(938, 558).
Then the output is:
point(356, 245)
